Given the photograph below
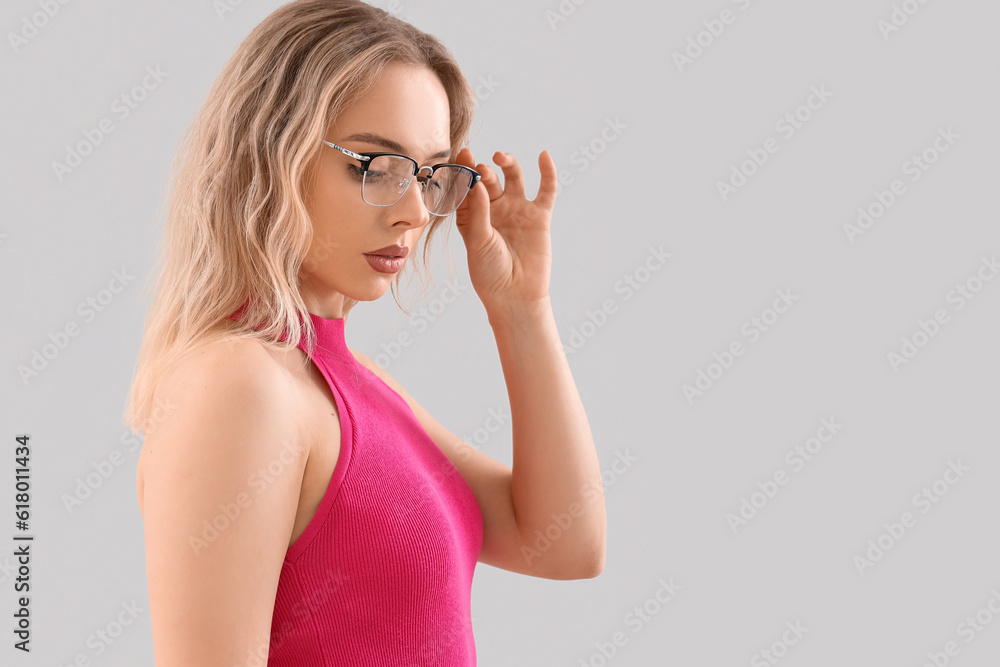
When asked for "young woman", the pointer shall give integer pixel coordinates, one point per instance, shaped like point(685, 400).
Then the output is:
point(300, 508)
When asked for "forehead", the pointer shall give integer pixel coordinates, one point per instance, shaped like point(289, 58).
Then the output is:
point(408, 104)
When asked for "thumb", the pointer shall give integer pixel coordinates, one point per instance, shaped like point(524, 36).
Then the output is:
point(473, 217)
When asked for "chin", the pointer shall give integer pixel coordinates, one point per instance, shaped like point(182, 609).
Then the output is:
point(373, 291)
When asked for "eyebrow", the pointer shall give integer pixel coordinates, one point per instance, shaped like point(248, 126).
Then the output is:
point(394, 146)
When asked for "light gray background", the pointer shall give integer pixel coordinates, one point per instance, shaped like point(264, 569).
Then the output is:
point(555, 86)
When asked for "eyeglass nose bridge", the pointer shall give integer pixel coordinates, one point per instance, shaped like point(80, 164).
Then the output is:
point(422, 180)
point(422, 177)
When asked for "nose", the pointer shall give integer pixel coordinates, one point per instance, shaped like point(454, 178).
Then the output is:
point(410, 207)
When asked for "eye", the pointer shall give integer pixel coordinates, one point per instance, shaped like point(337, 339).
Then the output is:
point(426, 182)
point(355, 171)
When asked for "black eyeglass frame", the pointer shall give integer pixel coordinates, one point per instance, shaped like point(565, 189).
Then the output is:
point(366, 158)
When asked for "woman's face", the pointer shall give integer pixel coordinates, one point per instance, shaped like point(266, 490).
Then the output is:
point(405, 112)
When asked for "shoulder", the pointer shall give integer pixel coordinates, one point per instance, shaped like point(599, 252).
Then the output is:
point(229, 372)
point(224, 400)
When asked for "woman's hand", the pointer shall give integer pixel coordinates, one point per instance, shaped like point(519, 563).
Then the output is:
point(507, 236)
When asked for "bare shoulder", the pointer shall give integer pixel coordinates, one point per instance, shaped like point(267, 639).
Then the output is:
point(238, 380)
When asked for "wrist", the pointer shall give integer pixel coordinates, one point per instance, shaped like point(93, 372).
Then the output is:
point(521, 314)
point(519, 310)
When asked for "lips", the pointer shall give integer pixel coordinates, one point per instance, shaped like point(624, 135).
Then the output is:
point(392, 252)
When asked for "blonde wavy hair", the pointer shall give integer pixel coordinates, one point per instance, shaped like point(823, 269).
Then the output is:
point(237, 230)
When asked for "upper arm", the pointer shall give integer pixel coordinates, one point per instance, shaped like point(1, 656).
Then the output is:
point(216, 524)
point(490, 481)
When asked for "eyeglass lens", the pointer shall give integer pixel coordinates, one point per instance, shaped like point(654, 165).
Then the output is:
point(388, 177)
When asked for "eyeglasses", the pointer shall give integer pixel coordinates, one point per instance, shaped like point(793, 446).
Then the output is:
point(385, 177)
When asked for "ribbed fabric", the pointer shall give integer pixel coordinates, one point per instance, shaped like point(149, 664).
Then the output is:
point(382, 575)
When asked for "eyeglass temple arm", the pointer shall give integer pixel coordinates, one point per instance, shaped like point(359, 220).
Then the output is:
point(356, 156)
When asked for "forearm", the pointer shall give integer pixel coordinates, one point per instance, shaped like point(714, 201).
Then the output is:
point(555, 466)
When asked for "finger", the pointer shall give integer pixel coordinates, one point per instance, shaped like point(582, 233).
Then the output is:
point(491, 182)
point(513, 175)
point(547, 189)
point(473, 217)
point(465, 158)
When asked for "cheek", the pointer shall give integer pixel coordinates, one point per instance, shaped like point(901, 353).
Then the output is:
point(331, 193)
point(335, 210)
